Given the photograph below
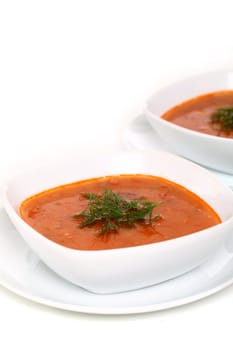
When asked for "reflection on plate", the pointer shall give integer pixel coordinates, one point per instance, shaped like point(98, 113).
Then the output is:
point(140, 136)
point(24, 274)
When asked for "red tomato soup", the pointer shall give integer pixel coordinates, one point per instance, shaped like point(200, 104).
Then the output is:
point(180, 211)
point(195, 114)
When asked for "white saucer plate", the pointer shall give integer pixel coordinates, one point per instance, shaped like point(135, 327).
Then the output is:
point(139, 135)
point(23, 273)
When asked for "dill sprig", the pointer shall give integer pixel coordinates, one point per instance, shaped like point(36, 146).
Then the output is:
point(224, 117)
point(112, 211)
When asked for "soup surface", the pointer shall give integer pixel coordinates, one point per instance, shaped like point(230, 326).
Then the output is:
point(180, 212)
point(196, 114)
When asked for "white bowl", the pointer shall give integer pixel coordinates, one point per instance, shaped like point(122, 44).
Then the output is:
point(211, 151)
point(117, 270)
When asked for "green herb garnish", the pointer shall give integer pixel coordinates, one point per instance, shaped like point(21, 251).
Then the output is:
point(112, 211)
point(224, 117)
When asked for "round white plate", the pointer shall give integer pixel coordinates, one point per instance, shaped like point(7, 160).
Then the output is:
point(24, 274)
point(140, 136)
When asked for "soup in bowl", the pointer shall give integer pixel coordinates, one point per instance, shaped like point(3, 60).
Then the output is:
point(121, 221)
point(195, 118)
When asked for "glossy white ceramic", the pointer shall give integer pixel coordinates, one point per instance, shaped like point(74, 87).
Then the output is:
point(211, 151)
point(23, 273)
point(117, 270)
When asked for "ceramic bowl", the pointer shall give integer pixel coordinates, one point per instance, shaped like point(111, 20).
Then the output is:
point(123, 269)
point(211, 151)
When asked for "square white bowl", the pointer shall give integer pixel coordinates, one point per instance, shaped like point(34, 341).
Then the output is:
point(117, 270)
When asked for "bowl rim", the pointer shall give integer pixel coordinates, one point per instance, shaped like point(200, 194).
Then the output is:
point(188, 78)
point(13, 212)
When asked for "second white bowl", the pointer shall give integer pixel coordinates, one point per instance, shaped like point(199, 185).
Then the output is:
point(211, 151)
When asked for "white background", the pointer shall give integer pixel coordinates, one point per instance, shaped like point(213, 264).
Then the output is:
point(72, 74)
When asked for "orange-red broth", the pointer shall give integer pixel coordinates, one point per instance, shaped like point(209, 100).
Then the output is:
point(182, 212)
point(195, 114)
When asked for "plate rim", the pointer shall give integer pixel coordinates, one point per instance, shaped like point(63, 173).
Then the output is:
point(117, 310)
point(8, 282)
